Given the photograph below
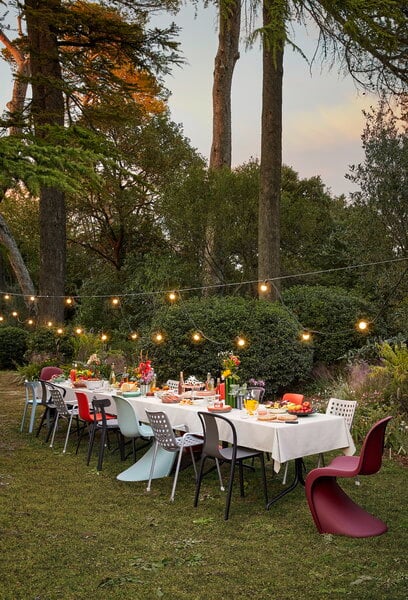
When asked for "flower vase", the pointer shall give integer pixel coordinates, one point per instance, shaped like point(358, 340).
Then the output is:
point(144, 388)
point(229, 397)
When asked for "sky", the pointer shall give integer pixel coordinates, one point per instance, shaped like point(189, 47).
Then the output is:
point(322, 110)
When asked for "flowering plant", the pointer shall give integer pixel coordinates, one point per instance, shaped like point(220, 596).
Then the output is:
point(93, 363)
point(145, 372)
point(256, 382)
point(229, 365)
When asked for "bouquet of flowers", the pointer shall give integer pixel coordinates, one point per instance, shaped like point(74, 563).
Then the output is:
point(93, 363)
point(229, 365)
point(256, 383)
point(145, 372)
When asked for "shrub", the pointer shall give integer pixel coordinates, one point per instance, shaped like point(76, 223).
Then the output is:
point(46, 346)
point(13, 345)
point(274, 352)
point(332, 314)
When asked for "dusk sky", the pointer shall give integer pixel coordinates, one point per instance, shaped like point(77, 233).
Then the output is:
point(322, 110)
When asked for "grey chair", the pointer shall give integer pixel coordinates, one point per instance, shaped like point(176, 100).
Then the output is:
point(233, 454)
point(62, 412)
point(104, 425)
point(129, 424)
point(50, 411)
point(341, 408)
point(165, 437)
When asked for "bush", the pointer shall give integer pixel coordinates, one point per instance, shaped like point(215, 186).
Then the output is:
point(274, 352)
point(332, 313)
point(13, 345)
point(46, 346)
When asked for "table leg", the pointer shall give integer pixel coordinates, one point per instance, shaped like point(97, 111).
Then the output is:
point(298, 478)
point(140, 470)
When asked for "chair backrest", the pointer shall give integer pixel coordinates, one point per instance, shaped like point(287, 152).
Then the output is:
point(291, 397)
point(173, 384)
point(373, 448)
point(48, 372)
point(58, 402)
point(31, 390)
point(256, 392)
point(83, 407)
point(163, 431)
point(99, 405)
point(127, 419)
point(211, 444)
point(342, 408)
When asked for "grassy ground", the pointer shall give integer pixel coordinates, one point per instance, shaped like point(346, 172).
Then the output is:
point(68, 532)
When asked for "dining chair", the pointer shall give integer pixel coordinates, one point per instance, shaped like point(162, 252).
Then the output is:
point(232, 454)
point(333, 511)
point(33, 397)
point(165, 438)
point(130, 426)
point(292, 397)
point(87, 415)
point(341, 408)
point(50, 411)
point(63, 412)
point(47, 372)
point(102, 423)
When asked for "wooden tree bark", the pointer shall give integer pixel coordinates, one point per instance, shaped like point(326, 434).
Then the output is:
point(16, 261)
point(48, 109)
point(221, 148)
point(271, 163)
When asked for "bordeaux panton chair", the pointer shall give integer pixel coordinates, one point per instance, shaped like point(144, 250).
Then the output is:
point(333, 511)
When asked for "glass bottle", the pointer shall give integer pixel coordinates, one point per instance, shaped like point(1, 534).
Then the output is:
point(112, 376)
point(181, 383)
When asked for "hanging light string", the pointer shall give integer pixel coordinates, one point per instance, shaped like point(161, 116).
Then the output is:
point(212, 286)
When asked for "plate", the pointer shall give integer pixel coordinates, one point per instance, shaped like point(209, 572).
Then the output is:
point(301, 414)
point(277, 411)
point(225, 409)
point(130, 394)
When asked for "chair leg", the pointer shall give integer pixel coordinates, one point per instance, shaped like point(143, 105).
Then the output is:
point(199, 479)
point(264, 480)
point(91, 442)
point(24, 416)
point(101, 448)
point(241, 478)
point(173, 490)
point(217, 462)
point(54, 429)
point(285, 474)
point(68, 432)
point(32, 416)
point(149, 483)
point(229, 494)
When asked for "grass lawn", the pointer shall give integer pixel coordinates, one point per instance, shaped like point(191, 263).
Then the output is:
point(68, 532)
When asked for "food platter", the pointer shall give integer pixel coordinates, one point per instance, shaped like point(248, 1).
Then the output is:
point(221, 409)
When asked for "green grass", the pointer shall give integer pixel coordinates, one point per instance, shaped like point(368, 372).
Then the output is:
point(68, 532)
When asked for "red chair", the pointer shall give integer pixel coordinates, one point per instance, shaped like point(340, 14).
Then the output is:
point(332, 510)
point(295, 398)
point(48, 372)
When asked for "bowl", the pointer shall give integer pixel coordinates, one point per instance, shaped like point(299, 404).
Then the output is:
point(93, 384)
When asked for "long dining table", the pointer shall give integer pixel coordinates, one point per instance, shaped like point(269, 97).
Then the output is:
point(285, 441)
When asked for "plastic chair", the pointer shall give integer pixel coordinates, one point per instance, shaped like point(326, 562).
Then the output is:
point(130, 425)
point(50, 412)
point(165, 437)
point(48, 372)
point(173, 384)
point(332, 510)
point(341, 408)
point(87, 416)
point(102, 423)
point(63, 412)
point(233, 454)
point(291, 397)
point(33, 397)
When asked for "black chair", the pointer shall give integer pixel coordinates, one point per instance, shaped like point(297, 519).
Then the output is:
point(233, 454)
point(49, 415)
point(104, 425)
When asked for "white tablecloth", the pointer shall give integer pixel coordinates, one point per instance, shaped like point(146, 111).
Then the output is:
point(313, 434)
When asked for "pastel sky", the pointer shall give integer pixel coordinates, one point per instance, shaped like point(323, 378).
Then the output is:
point(322, 110)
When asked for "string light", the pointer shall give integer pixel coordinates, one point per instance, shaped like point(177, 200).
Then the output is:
point(172, 296)
point(50, 324)
point(69, 301)
point(60, 331)
point(133, 335)
point(104, 337)
point(362, 325)
point(197, 337)
point(115, 302)
point(6, 297)
point(241, 342)
point(14, 313)
point(1, 318)
point(78, 330)
point(306, 336)
point(32, 298)
point(30, 322)
point(158, 337)
point(263, 287)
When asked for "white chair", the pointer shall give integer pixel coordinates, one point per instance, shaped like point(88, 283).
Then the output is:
point(172, 384)
point(62, 412)
point(340, 408)
point(165, 437)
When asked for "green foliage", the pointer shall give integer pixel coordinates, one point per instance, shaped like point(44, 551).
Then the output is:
point(45, 346)
point(394, 369)
point(13, 345)
point(273, 353)
point(332, 313)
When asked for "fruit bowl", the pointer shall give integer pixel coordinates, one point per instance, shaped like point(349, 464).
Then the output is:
point(302, 413)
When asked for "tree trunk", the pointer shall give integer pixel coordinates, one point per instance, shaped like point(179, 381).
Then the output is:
point(224, 64)
point(48, 109)
point(17, 262)
point(220, 155)
point(271, 163)
point(22, 65)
